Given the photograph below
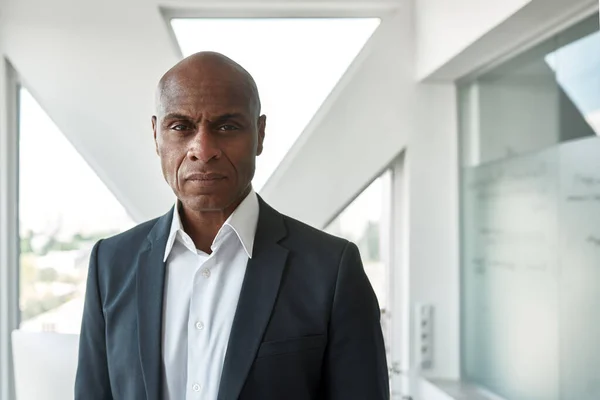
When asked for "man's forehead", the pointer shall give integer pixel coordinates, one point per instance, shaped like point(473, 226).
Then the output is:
point(221, 94)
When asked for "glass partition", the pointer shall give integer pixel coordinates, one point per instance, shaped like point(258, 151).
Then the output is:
point(531, 221)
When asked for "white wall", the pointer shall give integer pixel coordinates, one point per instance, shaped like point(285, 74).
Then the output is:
point(432, 154)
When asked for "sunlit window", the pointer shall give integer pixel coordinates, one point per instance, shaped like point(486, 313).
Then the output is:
point(366, 223)
point(295, 62)
point(576, 67)
point(64, 209)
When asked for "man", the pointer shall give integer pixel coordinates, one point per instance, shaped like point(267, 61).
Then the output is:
point(223, 298)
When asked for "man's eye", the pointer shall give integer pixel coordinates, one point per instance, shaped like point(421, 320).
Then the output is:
point(227, 128)
point(180, 127)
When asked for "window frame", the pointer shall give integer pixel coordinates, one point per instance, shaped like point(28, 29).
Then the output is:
point(9, 223)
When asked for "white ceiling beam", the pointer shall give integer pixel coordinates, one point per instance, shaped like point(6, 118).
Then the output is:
point(525, 27)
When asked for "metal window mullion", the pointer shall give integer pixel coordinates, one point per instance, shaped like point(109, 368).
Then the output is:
point(9, 231)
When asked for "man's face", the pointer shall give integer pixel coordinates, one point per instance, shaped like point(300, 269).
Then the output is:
point(208, 134)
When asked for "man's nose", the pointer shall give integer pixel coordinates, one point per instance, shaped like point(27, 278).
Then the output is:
point(204, 146)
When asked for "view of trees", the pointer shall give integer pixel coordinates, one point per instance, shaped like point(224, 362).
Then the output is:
point(47, 282)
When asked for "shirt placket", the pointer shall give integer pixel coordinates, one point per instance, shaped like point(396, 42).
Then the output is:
point(198, 332)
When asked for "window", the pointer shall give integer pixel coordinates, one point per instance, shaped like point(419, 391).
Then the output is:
point(366, 223)
point(296, 62)
point(64, 209)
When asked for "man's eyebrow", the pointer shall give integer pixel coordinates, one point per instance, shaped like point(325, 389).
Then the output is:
point(227, 116)
point(218, 118)
point(177, 116)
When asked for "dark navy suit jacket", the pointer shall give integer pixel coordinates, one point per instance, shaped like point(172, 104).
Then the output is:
point(306, 326)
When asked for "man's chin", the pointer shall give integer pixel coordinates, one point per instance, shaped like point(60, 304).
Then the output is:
point(203, 202)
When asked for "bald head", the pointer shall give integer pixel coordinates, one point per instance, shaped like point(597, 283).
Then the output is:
point(207, 66)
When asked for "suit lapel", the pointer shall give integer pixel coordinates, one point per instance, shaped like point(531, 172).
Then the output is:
point(150, 287)
point(257, 298)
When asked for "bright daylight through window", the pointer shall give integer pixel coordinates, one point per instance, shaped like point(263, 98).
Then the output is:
point(296, 63)
point(365, 222)
point(64, 209)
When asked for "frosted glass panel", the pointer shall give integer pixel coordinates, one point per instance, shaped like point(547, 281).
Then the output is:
point(580, 269)
point(531, 274)
point(510, 275)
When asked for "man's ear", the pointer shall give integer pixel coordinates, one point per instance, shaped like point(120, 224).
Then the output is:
point(154, 127)
point(262, 124)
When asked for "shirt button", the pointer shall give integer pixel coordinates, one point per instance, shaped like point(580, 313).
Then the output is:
point(199, 325)
point(206, 273)
point(196, 387)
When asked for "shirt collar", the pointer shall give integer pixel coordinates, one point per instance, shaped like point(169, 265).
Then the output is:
point(242, 221)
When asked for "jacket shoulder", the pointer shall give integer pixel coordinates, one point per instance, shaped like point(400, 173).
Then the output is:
point(127, 241)
point(139, 231)
point(308, 239)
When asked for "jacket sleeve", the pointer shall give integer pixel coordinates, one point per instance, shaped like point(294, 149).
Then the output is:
point(92, 381)
point(355, 366)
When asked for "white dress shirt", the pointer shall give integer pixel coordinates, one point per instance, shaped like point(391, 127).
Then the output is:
point(201, 296)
